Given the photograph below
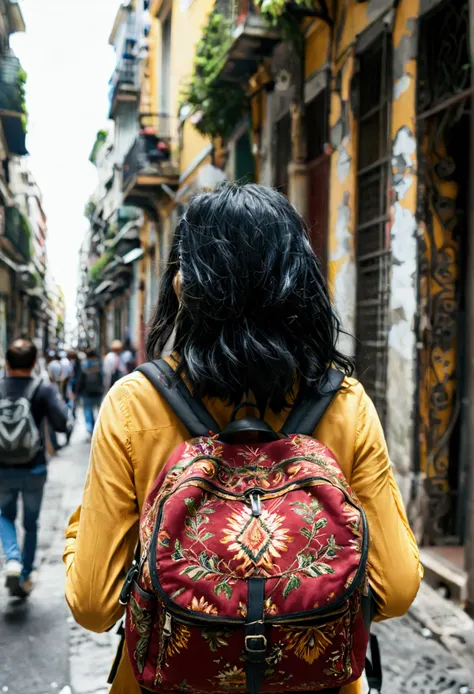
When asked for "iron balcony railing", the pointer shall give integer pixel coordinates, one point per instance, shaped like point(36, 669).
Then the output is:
point(124, 79)
point(152, 153)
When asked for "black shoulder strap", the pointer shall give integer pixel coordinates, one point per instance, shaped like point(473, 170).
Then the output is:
point(190, 410)
point(307, 413)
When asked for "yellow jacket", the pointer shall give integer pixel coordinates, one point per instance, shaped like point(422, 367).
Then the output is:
point(136, 434)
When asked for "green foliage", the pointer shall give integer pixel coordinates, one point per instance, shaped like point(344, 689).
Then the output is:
point(221, 104)
point(89, 209)
point(21, 82)
point(276, 13)
point(97, 270)
point(98, 144)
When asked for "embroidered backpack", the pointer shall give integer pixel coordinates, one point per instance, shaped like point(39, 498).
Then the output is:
point(251, 574)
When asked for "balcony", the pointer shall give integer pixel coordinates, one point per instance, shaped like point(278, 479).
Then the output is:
point(12, 104)
point(16, 234)
point(252, 39)
point(125, 83)
point(150, 165)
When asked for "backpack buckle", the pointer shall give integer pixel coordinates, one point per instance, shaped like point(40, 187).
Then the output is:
point(248, 646)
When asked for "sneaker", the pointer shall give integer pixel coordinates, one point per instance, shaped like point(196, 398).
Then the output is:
point(13, 574)
point(27, 585)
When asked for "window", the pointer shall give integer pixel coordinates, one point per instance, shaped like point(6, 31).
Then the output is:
point(283, 153)
point(372, 232)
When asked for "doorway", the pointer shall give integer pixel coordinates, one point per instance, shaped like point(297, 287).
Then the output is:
point(444, 108)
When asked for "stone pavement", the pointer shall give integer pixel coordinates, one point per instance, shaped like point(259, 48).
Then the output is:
point(42, 651)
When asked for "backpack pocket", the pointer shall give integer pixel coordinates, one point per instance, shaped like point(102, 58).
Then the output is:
point(141, 615)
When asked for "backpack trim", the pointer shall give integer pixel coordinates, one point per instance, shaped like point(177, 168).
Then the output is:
point(303, 418)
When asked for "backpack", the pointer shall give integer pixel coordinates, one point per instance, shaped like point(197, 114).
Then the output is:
point(93, 383)
point(20, 439)
point(251, 573)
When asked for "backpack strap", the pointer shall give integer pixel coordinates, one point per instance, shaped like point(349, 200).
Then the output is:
point(189, 409)
point(308, 412)
point(32, 390)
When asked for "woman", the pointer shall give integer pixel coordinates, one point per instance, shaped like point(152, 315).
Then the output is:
point(248, 305)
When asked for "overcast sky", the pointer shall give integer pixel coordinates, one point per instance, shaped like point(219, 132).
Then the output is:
point(66, 55)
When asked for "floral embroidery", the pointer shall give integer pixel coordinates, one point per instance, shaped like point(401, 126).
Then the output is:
point(256, 541)
point(178, 640)
point(309, 644)
point(231, 678)
point(142, 622)
point(202, 606)
point(215, 639)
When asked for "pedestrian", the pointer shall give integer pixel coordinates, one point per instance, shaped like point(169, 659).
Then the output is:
point(245, 298)
point(66, 373)
point(91, 387)
point(114, 366)
point(74, 381)
point(54, 371)
point(25, 404)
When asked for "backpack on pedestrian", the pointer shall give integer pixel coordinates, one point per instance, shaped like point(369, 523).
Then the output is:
point(92, 379)
point(251, 573)
point(20, 439)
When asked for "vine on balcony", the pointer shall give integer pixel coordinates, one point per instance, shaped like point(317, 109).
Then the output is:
point(220, 105)
point(97, 270)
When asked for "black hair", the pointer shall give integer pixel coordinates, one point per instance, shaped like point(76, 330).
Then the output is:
point(21, 355)
point(91, 353)
point(254, 314)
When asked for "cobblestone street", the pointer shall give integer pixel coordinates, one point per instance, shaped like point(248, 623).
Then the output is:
point(42, 650)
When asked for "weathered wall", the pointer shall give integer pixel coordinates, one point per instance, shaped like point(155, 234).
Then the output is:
point(351, 21)
point(403, 292)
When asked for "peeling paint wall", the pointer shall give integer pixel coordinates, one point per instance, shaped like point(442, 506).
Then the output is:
point(401, 374)
point(341, 250)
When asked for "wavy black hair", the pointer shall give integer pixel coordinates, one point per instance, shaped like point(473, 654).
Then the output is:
point(254, 314)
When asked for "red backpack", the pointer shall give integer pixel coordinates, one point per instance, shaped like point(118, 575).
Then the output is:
point(252, 573)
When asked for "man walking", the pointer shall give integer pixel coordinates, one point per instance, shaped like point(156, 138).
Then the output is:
point(91, 388)
point(25, 404)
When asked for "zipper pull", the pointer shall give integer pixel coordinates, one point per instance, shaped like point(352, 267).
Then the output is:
point(167, 626)
point(255, 504)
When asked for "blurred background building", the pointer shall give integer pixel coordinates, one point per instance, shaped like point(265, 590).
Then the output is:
point(27, 292)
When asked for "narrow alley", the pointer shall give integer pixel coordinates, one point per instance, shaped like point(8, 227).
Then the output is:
point(58, 656)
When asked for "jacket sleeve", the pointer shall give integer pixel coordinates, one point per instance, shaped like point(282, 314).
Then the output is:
point(102, 534)
point(395, 571)
point(56, 409)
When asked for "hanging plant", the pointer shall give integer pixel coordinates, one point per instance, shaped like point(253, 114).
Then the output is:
point(278, 14)
point(218, 105)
